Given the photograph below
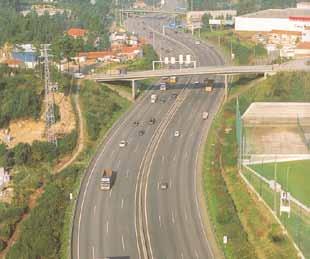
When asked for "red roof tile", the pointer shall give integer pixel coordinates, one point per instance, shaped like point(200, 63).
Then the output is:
point(76, 32)
point(303, 45)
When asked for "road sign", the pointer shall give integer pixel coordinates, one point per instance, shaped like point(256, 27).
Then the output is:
point(181, 61)
point(188, 59)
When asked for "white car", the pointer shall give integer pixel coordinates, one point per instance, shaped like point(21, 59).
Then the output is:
point(177, 133)
point(197, 42)
point(123, 143)
point(205, 115)
point(78, 75)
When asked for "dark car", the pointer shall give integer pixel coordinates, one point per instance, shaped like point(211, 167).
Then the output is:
point(141, 132)
point(162, 100)
point(152, 121)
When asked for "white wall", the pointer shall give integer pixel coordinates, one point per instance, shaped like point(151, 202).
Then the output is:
point(268, 24)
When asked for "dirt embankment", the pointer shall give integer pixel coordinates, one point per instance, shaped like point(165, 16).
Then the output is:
point(29, 130)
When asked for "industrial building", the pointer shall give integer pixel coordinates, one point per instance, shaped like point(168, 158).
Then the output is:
point(290, 19)
point(225, 17)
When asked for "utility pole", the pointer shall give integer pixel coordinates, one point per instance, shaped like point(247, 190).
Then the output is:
point(49, 100)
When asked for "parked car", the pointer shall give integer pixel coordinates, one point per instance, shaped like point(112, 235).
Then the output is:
point(177, 133)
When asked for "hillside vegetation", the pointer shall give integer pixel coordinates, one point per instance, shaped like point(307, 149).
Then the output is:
point(46, 233)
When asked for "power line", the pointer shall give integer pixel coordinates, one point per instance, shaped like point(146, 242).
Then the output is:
point(49, 89)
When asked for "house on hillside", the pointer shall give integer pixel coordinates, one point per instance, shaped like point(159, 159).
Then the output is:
point(129, 53)
point(94, 56)
point(42, 9)
point(27, 54)
point(302, 49)
point(13, 63)
point(78, 33)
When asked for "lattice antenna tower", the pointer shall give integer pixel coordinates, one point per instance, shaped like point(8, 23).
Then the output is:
point(49, 99)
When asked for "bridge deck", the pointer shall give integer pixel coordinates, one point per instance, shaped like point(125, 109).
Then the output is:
point(210, 70)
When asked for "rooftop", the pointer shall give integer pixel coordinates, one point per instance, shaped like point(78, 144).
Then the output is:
point(76, 32)
point(259, 112)
point(282, 32)
point(280, 13)
point(303, 45)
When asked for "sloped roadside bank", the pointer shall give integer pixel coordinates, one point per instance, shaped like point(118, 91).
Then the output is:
point(234, 211)
point(45, 232)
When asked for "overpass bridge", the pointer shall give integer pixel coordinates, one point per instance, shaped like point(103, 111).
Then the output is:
point(208, 70)
point(144, 11)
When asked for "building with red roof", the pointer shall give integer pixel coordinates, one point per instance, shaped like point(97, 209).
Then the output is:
point(77, 33)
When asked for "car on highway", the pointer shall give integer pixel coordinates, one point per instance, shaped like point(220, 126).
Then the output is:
point(205, 115)
point(177, 133)
point(136, 123)
point(197, 42)
point(152, 121)
point(163, 186)
point(123, 143)
point(141, 132)
point(162, 100)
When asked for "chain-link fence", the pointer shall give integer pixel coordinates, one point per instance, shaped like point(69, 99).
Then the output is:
point(291, 212)
point(296, 222)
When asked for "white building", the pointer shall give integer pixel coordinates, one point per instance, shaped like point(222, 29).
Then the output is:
point(194, 18)
point(290, 19)
point(303, 5)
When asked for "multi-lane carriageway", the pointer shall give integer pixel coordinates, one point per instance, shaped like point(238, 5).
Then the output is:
point(136, 219)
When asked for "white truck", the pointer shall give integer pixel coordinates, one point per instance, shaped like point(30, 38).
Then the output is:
point(153, 98)
point(106, 179)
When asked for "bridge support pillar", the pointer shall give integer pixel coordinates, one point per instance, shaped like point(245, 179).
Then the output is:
point(133, 89)
point(226, 87)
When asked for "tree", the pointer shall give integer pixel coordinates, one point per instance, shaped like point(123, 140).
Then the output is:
point(205, 21)
point(22, 154)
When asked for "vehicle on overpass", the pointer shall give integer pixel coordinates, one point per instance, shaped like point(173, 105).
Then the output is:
point(106, 179)
point(172, 79)
point(162, 86)
point(209, 84)
point(153, 98)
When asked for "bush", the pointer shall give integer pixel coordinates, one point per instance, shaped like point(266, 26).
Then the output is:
point(2, 245)
point(19, 97)
point(67, 144)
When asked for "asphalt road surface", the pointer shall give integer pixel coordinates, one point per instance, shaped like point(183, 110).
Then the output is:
point(106, 221)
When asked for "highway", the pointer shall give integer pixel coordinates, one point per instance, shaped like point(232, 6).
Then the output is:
point(108, 223)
